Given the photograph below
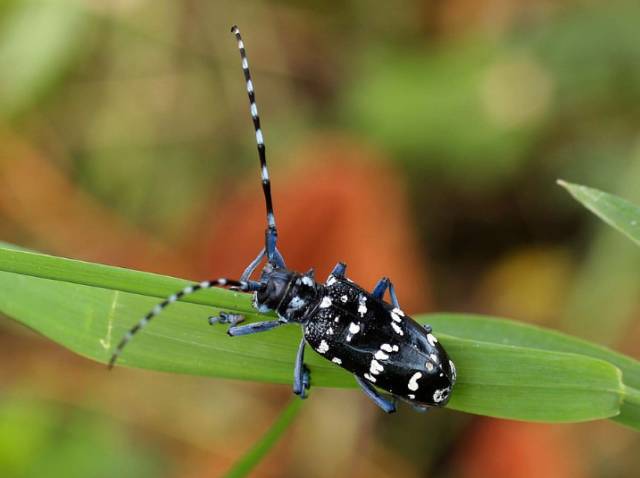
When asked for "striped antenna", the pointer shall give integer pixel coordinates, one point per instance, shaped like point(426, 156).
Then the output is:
point(253, 108)
point(222, 282)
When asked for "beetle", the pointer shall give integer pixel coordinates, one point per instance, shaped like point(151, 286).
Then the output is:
point(357, 330)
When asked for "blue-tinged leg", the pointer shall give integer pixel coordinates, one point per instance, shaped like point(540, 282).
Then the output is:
point(388, 406)
point(226, 318)
point(380, 288)
point(252, 267)
point(272, 252)
point(339, 270)
point(394, 297)
point(279, 259)
point(301, 378)
point(306, 378)
point(253, 328)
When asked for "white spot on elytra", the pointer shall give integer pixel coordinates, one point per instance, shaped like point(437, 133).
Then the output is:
point(337, 319)
point(432, 340)
point(397, 329)
point(429, 366)
point(434, 357)
point(326, 302)
point(398, 311)
point(324, 346)
point(371, 378)
point(440, 395)
point(413, 381)
point(331, 280)
point(380, 355)
point(353, 330)
point(395, 317)
point(411, 396)
point(362, 308)
point(306, 280)
point(453, 371)
point(386, 347)
point(336, 360)
point(344, 299)
point(330, 331)
point(375, 367)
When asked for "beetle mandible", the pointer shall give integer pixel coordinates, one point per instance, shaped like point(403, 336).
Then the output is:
point(353, 328)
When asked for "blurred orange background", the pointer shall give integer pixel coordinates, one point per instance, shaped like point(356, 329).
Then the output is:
point(419, 140)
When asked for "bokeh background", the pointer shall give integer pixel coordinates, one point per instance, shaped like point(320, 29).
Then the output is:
point(419, 139)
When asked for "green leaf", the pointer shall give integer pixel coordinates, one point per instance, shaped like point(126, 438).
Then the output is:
point(507, 332)
point(88, 307)
point(615, 211)
point(262, 447)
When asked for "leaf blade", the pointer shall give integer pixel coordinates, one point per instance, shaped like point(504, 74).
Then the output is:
point(87, 307)
point(508, 332)
point(614, 210)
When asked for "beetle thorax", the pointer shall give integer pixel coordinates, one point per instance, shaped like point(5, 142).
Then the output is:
point(289, 294)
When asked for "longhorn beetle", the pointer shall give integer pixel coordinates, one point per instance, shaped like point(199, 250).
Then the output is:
point(355, 329)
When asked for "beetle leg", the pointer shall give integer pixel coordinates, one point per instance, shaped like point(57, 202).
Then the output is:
point(306, 379)
point(279, 259)
point(394, 297)
point(339, 270)
point(380, 288)
point(301, 378)
point(273, 254)
point(388, 406)
point(253, 328)
point(254, 264)
point(226, 318)
point(252, 267)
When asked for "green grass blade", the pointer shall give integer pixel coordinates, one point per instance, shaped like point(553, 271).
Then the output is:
point(630, 410)
point(615, 211)
point(508, 332)
point(88, 307)
point(519, 334)
point(262, 447)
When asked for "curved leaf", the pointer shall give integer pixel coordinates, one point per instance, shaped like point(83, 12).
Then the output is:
point(87, 307)
point(615, 211)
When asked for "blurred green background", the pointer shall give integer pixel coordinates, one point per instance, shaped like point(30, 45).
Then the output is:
point(415, 139)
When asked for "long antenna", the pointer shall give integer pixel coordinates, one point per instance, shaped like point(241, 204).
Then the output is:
point(208, 284)
point(271, 233)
